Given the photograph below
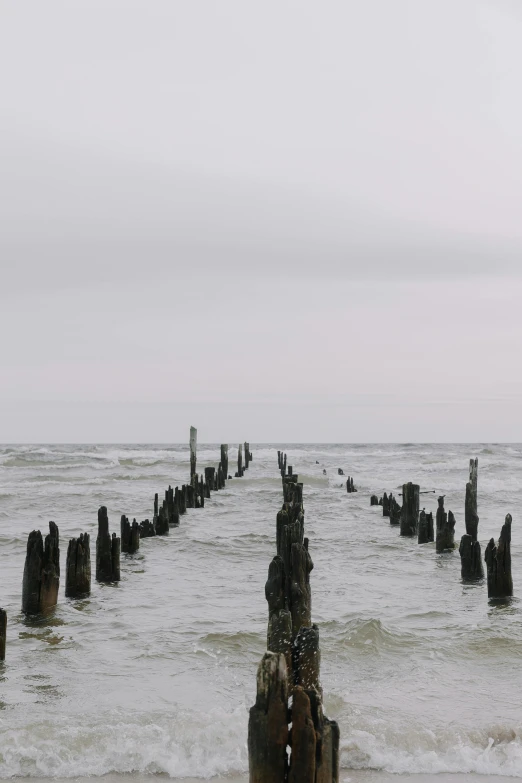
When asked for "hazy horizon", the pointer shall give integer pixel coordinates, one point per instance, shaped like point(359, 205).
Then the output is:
point(286, 223)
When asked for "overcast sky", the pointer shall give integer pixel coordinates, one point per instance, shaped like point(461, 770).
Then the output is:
point(277, 221)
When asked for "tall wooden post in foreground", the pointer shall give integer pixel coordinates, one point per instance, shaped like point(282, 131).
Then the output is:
point(498, 561)
point(41, 572)
point(292, 666)
point(193, 447)
point(470, 554)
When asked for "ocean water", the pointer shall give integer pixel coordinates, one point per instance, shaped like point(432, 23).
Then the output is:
point(156, 674)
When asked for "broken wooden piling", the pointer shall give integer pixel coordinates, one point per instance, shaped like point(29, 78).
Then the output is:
point(41, 572)
point(445, 538)
point(247, 455)
point(107, 550)
point(498, 562)
point(374, 500)
point(193, 447)
point(386, 505)
point(147, 528)
point(395, 511)
point(410, 509)
point(239, 472)
point(469, 549)
point(426, 532)
point(268, 722)
point(78, 567)
point(130, 535)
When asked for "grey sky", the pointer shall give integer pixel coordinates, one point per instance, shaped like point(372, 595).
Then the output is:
point(278, 220)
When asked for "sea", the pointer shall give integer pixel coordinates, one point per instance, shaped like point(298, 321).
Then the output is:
point(155, 675)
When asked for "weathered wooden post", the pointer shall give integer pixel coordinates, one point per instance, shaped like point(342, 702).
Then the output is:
point(395, 511)
point(426, 532)
point(498, 562)
point(302, 767)
point(193, 446)
point(239, 472)
point(307, 658)
point(410, 509)
point(147, 528)
point(445, 528)
point(247, 455)
point(41, 572)
point(268, 722)
point(155, 506)
point(374, 500)
point(3, 633)
point(107, 550)
point(386, 505)
point(224, 458)
point(130, 535)
point(470, 553)
point(279, 634)
point(162, 522)
point(78, 567)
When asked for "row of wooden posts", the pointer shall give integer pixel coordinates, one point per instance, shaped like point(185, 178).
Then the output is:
point(416, 522)
point(41, 579)
point(289, 737)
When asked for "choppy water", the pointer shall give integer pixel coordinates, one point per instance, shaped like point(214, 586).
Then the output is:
point(157, 673)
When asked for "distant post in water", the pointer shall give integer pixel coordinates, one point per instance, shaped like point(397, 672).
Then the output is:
point(445, 528)
point(193, 446)
point(78, 567)
point(426, 534)
point(41, 572)
point(3, 633)
point(498, 562)
point(239, 461)
point(130, 535)
point(224, 458)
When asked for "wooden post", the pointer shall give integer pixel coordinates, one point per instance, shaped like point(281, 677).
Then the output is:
point(247, 455)
point(300, 593)
point(147, 528)
point(155, 507)
point(410, 509)
point(224, 458)
point(374, 500)
point(193, 447)
point(426, 533)
point(3, 633)
point(498, 561)
point(268, 722)
point(470, 553)
point(239, 461)
point(41, 572)
point(386, 505)
point(78, 567)
point(130, 535)
point(445, 528)
point(395, 511)
point(279, 634)
point(307, 658)
point(162, 522)
point(107, 550)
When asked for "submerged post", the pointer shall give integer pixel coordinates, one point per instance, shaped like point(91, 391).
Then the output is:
point(410, 509)
point(470, 553)
point(498, 561)
point(41, 572)
point(193, 446)
point(78, 567)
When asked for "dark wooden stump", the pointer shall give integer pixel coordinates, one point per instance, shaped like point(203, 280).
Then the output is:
point(374, 500)
point(147, 529)
point(3, 633)
point(498, 562)
point(470, 559)
point(445, 528)
point(239, 473)
point(130, 535)
point(303, 740)
point(279, 634)
point(162, 522)
point(107, 550)
point(426, 532)
point(41, 572)
point(268, 722)
point(395, 511)
point(386, 505)
point(247, 455)
point(156, 507)
point(300, 593)
point(410, 509)
point(78, 567)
